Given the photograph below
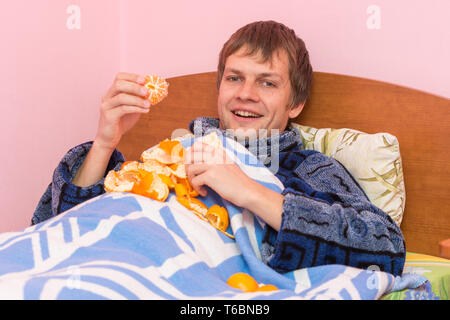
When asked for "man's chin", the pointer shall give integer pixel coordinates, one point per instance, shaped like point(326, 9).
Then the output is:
point(245, 133)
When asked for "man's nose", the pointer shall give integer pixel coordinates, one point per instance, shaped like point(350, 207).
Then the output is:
point(247, 91)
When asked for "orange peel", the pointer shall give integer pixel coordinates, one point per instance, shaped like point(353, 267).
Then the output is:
point(189, 189)
point(195, 205)
point(178, 170)
point(130, 165)
point(243, 281)
point(247, 283)
point(150, 185)
point(267, 287)
point(218, 217)
point(181, 191)
point(160, 170)
point(155, 166)
point(122, 181)
point(158, 88)
point(167, 152)
point(168, 181)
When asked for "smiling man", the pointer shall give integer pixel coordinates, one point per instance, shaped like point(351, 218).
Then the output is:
point(264, 77)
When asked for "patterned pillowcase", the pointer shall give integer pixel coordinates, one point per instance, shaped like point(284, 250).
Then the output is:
point(373, 160)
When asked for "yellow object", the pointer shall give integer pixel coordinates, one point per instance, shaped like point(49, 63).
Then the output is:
point(243, 281)
point(247, 283)
point(267, 287)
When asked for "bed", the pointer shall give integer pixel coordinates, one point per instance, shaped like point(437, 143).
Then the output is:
point(94, 255)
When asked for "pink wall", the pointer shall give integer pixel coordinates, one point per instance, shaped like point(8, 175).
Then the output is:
point(53, 78)
point(51, 84)
point(411, 47)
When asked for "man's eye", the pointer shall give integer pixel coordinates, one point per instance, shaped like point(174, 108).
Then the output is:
point(268, 84)
point(233, 78)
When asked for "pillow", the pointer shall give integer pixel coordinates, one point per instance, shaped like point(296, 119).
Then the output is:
point(372, 159)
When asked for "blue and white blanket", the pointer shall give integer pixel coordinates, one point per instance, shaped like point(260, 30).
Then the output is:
point(125, 246)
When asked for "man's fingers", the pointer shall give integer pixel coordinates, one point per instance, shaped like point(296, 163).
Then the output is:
point(198, 183)
point(195, 169)
point(126, 99)
point(202, 152)
point(194, 157)
point(130, 77)
point(122, 110)
point(196, 176)
point(128, 83)
point(201, 146)
point(122, 86)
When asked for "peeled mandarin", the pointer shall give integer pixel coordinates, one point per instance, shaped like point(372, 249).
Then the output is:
point(158, 88)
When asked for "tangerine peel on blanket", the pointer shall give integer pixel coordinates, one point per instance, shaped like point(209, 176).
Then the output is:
point(122, 181)
point(162, 169)
point(166, 152)
point(267, 287)
point(158, 88)
point(247, 283)
point(150, 185)
point(218, 217)
point(243, 281)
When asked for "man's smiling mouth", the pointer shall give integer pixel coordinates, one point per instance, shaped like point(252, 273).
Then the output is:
point(246, 114)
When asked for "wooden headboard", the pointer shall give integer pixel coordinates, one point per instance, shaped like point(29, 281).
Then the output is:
point(420, 121)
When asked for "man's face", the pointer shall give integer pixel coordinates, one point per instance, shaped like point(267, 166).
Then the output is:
point(254, 95)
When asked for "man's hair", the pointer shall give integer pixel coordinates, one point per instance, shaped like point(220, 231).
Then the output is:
point(268, 38)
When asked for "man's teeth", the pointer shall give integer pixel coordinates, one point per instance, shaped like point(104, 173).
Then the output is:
point(246, 114)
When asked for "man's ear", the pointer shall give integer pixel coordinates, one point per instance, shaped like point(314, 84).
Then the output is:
point(295, 111)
